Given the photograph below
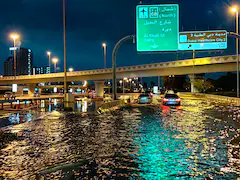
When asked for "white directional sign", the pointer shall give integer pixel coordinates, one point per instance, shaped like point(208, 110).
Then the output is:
point(202, 40)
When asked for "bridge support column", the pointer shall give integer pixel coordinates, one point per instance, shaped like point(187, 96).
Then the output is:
point(31, 89)
point(196, 84)
point(39, 90)
point(99, 88)
point(19, 90)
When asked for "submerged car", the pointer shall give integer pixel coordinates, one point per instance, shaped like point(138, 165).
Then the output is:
point(171, 99)
point(144, 99)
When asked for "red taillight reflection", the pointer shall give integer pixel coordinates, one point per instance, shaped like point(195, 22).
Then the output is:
point(178, 100)
point(165, 100)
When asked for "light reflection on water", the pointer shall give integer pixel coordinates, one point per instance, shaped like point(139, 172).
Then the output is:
point(139, 143)
point(44, 106)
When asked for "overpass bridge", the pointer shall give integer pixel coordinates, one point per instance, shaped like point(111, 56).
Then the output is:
point(179, 67)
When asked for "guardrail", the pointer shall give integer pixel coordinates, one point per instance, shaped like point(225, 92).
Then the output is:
point(108, 106)
point(227, 99)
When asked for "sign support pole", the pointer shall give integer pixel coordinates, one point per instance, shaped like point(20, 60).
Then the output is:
point(114, 54)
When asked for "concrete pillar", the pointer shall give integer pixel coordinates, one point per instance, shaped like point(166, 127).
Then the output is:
point(99, 88)
point(39, 90)
point(193, 80)
point(19, 90)
point(69, 102)
point(31, 89)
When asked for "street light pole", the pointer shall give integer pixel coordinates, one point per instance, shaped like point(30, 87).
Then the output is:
point(14, 37)
point(64, 48)
point(55, 60)
point(114, 54)
point(49, 60)
point(235, 10)
point(14, 57)
point(237, 44)
point(105, 54)
point(193, 86)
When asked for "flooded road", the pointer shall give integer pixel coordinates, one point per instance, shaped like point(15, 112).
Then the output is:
point(198, 140)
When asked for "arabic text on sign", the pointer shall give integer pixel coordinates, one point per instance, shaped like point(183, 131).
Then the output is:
point(166, 22)
point(167, 15)
point(150, 22)
point(168, 9)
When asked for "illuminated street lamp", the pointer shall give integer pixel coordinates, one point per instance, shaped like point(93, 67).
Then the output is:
point(121, 83)
point(130, 80)
point(14, 36)
point(55, 61)
point(49, 60)
point(70, 69)
point(234, 9)
point(104, 45)
point(124, 79)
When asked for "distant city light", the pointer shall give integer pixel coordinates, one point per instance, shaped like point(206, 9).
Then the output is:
point(70, 69)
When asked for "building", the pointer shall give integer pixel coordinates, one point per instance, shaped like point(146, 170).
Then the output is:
point(24, 62)
point(9, 66)
point(41, 70)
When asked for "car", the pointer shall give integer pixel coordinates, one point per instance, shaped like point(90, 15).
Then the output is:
point(171, 99)
point(149, 93)
point(169, 92)
point(144, 98)
point(9, 95)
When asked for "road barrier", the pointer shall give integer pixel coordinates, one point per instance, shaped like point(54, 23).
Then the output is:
point(112, 105)
point(226, 99)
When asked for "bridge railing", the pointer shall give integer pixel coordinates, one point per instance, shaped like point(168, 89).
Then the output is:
point(178, 63)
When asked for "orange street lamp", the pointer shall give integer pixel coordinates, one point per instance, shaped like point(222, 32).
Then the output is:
point(55, 61)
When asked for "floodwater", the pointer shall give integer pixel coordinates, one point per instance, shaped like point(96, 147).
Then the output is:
point(198, 140)
point(10, 118)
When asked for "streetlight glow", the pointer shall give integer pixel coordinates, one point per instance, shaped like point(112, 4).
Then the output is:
point(70, 69)
point(48, 53)
point(55, 60)
point(14, 36)
point(234, 9)
point(104, 44)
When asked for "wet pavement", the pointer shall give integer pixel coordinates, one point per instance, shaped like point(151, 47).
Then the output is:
point(198, 140)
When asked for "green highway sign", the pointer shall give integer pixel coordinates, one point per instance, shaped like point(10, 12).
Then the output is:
point(202, 40)
point(157, 27)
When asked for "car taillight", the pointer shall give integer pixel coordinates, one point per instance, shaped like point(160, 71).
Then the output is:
point(178, 100)
point(165, 100)
point(151, 94)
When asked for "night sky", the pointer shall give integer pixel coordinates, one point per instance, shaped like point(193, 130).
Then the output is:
point(91, 22)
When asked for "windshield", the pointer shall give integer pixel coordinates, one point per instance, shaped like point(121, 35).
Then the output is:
point(171, 96)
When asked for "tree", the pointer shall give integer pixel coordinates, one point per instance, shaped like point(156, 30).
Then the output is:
point(145, 85)
point(152, 84)
point(174, 82)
